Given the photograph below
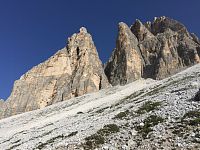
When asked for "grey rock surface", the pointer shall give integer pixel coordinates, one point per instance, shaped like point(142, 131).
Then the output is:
point(125, 64)
point(162, 48)
point(71, 72)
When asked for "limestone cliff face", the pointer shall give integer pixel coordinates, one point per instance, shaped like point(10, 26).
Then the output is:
point(72, 71)
point(171, 49)
point(161, 48)
point(155, 50)
point(125, 64)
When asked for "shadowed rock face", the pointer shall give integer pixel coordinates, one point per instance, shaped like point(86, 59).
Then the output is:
point(71, 72)
point(125, 64)
point(197, 96)
point(161, 48)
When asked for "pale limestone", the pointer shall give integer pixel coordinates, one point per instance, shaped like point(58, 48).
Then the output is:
point(73, 71)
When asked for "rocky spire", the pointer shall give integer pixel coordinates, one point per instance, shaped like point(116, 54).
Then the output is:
point(73, 71)
point(160, 24)
point(140, 31)
point(154, 50)
point(125, 65)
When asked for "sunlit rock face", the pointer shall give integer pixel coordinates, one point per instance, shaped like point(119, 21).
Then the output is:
point(155, 50)
point(73, 71)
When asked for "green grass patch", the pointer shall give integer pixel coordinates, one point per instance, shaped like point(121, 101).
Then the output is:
point(102, 110)
point(43, 145)
point(191, 118)
point(122, 115)
point(148, 106)
point(149, 122)
point(72, 134)
point(95, 140)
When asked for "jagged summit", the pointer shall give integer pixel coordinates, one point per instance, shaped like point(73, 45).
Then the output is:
point(125, 58)
point(140, 31)
point(162, 47)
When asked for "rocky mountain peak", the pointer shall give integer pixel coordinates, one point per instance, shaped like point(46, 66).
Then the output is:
point(125, 65)
point(73, 71)
point(140, 31)
point(160, 24)
point(122, 26)
point(155, 50)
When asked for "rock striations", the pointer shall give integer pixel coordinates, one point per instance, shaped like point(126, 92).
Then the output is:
point(154, 50)
point(151, 50)
point(71, 72)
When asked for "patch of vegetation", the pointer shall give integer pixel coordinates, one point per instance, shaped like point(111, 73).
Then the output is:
point(94, 140)
point(192, 118)
point(42, 145)
point(148, 106)
point(122, 115)
point(47, 133)
point(102, 110)
point(149, 122)
point(132, 97)
point(180, 132)
point(155, 90)
point(72, 134)
point(45, 126)
point(108, 129)
point(16, 141)
point(182, 89)
point(13, 147)
point(159, 88)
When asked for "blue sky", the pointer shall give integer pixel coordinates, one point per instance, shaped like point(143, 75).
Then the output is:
point(33, 30)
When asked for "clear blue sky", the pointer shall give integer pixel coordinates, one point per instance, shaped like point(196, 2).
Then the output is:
point(33, 30)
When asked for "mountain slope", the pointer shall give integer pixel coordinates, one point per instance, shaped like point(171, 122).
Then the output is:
point(145, 114)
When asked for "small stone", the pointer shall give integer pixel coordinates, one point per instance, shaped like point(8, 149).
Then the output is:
point(179, 144)
point(134, 132)
point(193, 134)
point(124, 147)
point(141, 124)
